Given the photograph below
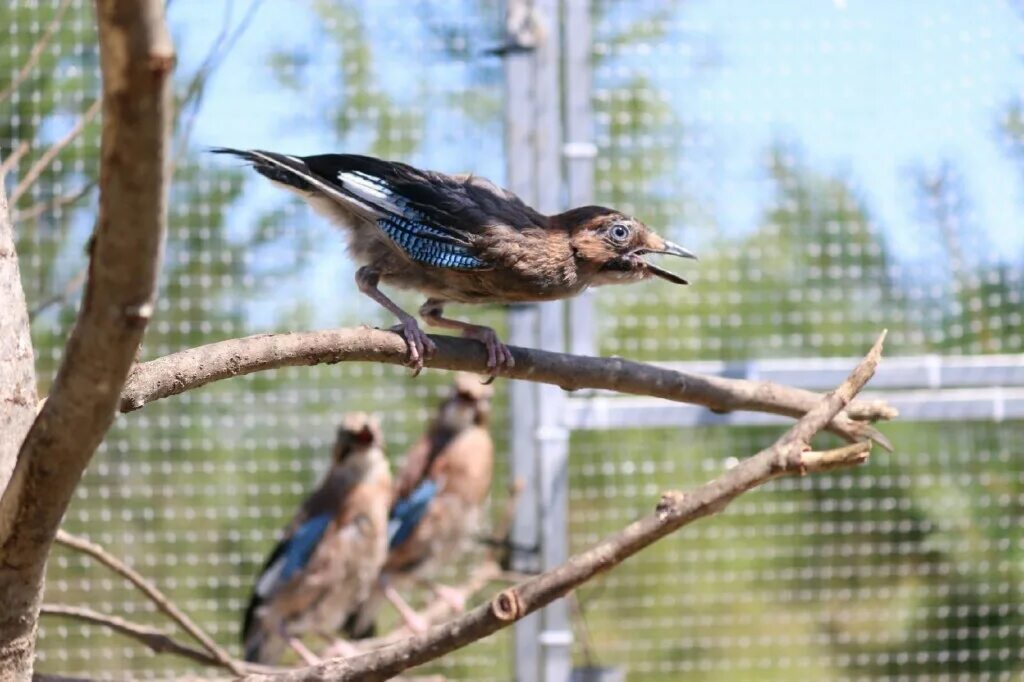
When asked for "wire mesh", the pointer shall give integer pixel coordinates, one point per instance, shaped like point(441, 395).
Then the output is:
point(839, 167)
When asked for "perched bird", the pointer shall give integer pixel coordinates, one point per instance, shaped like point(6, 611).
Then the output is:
point(439, 498)
point(331, 554)
point(461, 238)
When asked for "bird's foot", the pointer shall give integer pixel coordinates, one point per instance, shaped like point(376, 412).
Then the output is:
point(498, 354)
point(452, 596)
point(416, 623)
point(307, 656)
point(340, 648)
point(420, 345)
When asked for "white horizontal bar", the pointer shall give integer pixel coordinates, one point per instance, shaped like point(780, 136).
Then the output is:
point(971, 404)
point(922, 371)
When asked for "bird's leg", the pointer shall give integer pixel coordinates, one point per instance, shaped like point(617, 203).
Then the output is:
point(302, 650)
point(338, 647)
point(420, 345)
point(414, 621)
point(497, 352)
point(452, 596)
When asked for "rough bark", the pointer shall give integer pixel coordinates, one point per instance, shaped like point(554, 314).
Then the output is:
point(136, 60)
point(196, 367)
point(17, 368)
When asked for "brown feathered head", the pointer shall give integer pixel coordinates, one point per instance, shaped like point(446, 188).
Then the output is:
point(616, 245)
point(357, 432)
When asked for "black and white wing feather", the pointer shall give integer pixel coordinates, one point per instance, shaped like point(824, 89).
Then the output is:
point(413, 209)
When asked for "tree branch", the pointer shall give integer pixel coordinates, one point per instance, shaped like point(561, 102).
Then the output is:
point(787, 456)
point(41, 164)
point(36, 53)
point(158, 641)
point(159, 599)
point(136, 60)
point(189, 369)
point(17, 365)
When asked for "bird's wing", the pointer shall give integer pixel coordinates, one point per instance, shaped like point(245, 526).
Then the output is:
point(409, 511)
point(301, 538)
point(289, 556)
point(399, 199)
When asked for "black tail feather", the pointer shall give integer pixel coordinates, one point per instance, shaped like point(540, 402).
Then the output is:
point(272, 171)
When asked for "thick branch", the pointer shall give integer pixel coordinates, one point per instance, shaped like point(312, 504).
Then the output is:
point(17, 369)
point(189, 369)
point(787, 456)
point(159, 599)
point(136, 59)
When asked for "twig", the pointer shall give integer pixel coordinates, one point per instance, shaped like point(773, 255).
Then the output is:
point(35, 54)
point(41, 207)
point(41, 164)
point(158, 641)
point(151, 591)
point(62, 296)
point(12, 160)
point(787, 456)
point(189, 369)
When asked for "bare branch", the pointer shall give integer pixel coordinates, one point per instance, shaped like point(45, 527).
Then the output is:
point(189, 369)
point(158, 641)
point(62, 296)
point(42, 207)
point(159, 599)
point(12, 160)
point(787, 456)
point(35, 54)
point(136, 60)
point(42, 163)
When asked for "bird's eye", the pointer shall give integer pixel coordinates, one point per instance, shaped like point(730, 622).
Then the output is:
point(620, 232)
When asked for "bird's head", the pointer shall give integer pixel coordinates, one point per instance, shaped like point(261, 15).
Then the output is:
point(357, 432)
point(618, 246)
point(469, 404)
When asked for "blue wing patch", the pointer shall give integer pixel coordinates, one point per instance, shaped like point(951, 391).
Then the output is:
point(409, 511)
point(301, 546)
point(428, 245)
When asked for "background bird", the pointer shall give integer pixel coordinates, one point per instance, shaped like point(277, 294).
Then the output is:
point(462, 238)
point(331, 553)
point(439, 499)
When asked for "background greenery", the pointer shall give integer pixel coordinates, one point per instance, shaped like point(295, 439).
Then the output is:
point(910, 568)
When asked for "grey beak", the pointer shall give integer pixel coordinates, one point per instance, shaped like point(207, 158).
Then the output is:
point(673, 249)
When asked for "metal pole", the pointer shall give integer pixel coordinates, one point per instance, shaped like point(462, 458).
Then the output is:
point(552, 437)
point(579, 152)
point(520, 153)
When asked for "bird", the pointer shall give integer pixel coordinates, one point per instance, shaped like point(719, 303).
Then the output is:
point(462, 239)
point(330, 555)
point(438, 503)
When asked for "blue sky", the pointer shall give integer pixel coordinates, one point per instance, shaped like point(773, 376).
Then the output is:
point(867, 89)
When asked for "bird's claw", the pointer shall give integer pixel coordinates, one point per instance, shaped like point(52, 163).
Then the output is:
point(420, 346)
point(498, 354)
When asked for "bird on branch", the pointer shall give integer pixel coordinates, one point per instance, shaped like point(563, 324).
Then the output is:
point(328, 561)
point(439, 498)
point(462, 239)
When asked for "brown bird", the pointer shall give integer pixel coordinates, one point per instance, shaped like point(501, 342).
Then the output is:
point(327, 563)
point(439, 500)
point(463, 239)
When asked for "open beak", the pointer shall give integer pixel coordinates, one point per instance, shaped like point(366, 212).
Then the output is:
point(670, 249)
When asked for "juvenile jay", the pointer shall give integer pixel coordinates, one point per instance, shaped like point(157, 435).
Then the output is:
point(461, 238)
point(439, 497)
point(331, 553)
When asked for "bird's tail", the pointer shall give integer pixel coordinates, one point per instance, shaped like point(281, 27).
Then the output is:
point(287, 170)
point(362, 623)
